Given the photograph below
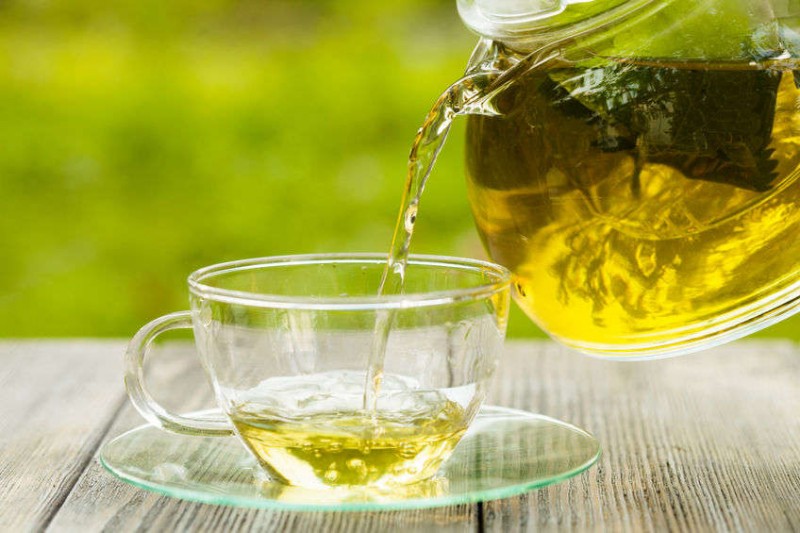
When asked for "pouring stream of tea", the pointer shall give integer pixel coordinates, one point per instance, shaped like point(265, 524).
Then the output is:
point(472, 94)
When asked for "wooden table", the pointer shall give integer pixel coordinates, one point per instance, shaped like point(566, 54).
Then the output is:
point(709, 441)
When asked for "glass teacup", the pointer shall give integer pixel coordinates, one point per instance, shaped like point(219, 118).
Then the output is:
point(287, 341)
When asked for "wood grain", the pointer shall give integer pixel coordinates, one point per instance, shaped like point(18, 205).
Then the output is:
point(705, 442)
point(100, 502)
point(58, 400)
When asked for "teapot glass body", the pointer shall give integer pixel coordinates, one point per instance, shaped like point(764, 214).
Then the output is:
point(642, 187)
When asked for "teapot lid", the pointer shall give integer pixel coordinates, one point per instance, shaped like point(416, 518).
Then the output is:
point(509, 20)
point(753, 30)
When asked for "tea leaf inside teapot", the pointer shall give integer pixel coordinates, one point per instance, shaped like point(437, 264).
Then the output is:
point(701, 29)
point(708, 121)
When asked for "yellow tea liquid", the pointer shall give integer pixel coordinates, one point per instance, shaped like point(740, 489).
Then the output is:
point(642, 203)
point(325, 443)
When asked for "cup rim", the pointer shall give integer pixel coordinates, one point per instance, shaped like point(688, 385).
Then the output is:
point(501, 280)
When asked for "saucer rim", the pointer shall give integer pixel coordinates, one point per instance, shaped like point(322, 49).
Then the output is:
point(399, 505)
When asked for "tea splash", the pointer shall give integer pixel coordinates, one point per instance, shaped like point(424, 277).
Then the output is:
point(309, 430)
point(473, 94)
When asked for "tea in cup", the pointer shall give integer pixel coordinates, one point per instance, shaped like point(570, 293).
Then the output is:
point(288, 345)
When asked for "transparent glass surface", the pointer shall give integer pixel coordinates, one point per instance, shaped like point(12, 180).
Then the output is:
point(326, 381)
point(505, 452)
point(636, 166)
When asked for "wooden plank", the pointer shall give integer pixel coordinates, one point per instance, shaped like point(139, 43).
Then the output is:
point(710, 441)
point(100, 502)
point(706, 442)
point(58, 400)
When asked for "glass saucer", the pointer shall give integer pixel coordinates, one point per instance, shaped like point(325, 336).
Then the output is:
point(505, 452)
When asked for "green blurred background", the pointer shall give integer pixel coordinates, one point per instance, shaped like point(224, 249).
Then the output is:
point(140, 140)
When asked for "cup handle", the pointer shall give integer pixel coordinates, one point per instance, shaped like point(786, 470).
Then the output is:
point(135, 356)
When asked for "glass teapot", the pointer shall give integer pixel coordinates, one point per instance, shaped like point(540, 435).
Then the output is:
point(635, 164)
